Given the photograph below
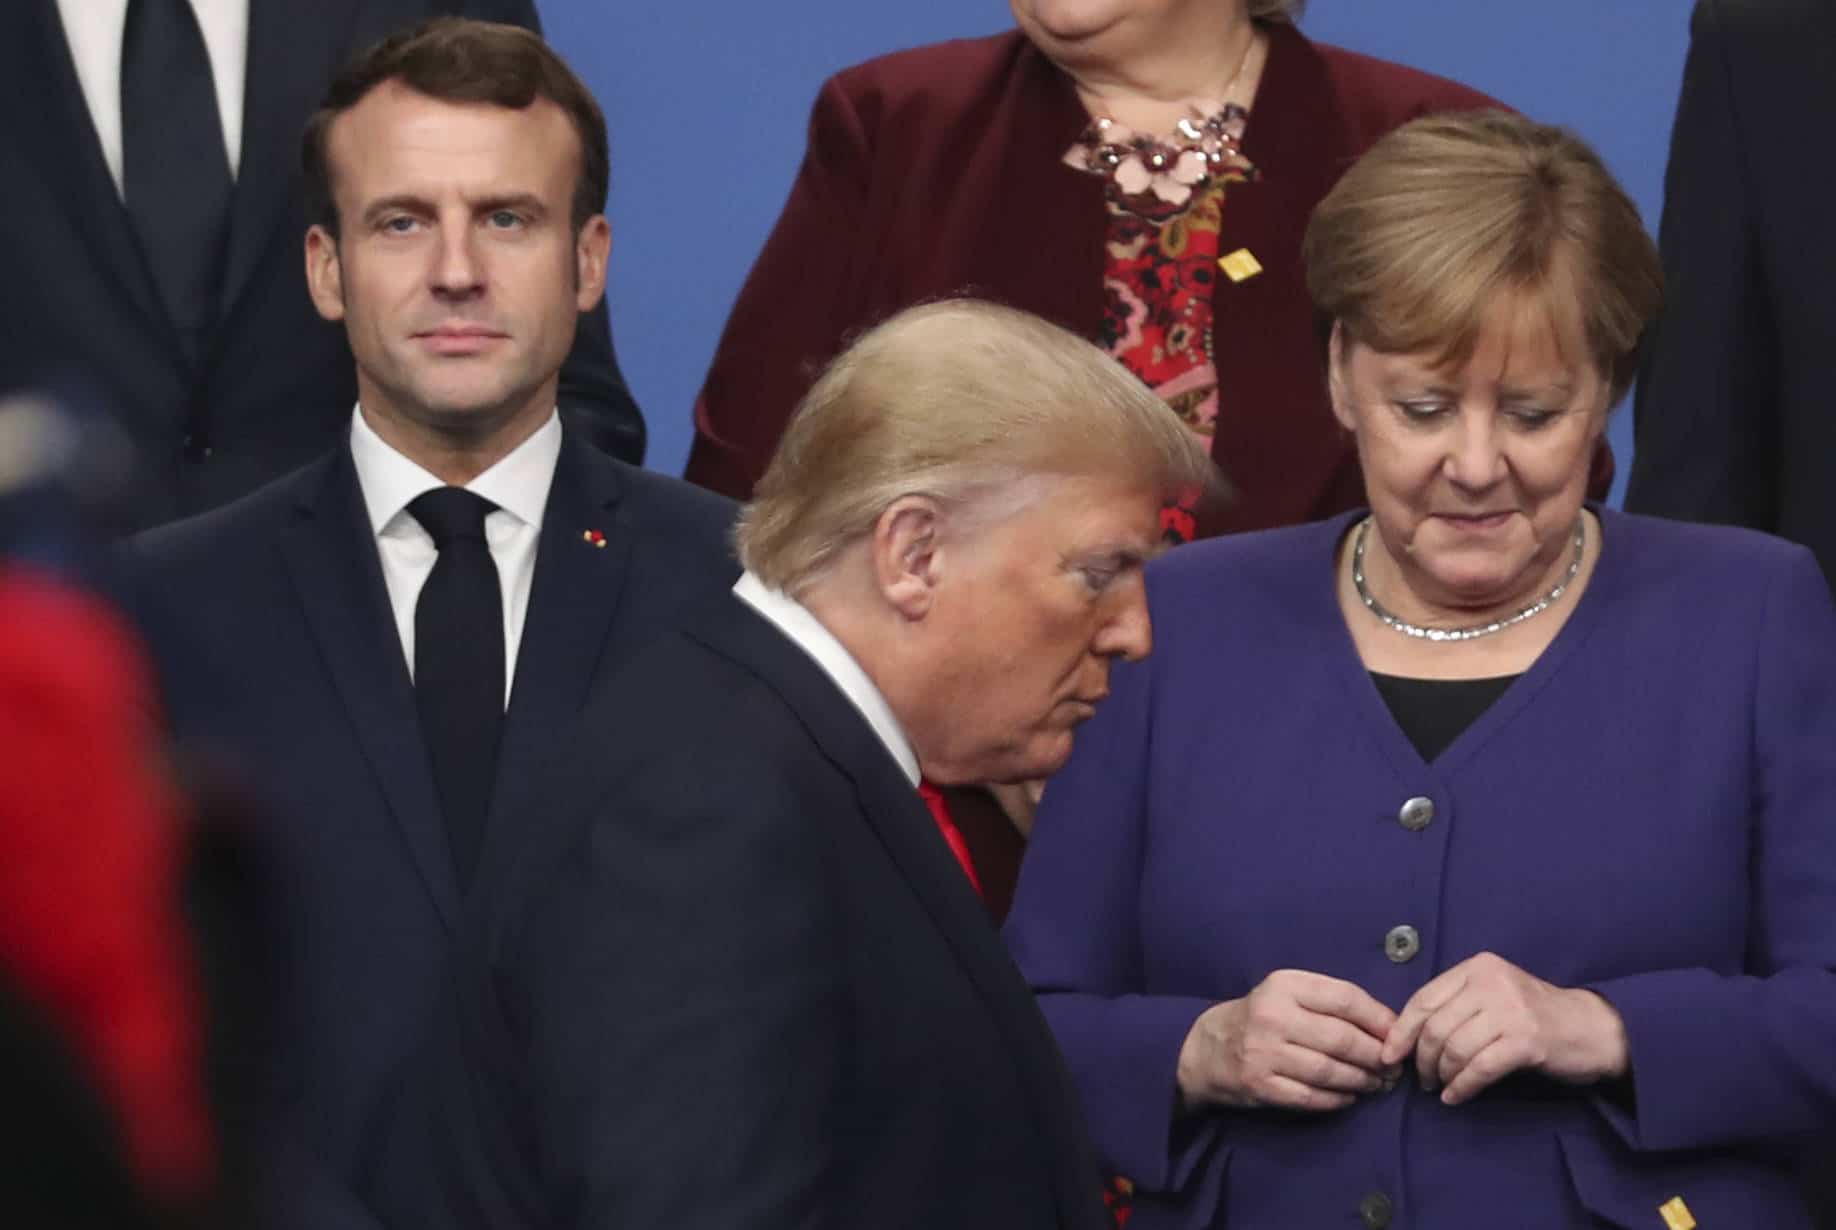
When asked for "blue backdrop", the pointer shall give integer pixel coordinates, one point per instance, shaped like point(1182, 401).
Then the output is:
point(707, 106)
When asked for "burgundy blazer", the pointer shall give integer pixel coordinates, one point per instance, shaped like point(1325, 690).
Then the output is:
point(937, 172)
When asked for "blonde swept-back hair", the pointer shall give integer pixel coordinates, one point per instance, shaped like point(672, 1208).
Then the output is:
point(956, 400)
point(1448, 214)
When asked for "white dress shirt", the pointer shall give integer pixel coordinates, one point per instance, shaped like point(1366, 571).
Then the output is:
point(794, 620)
point(518, 485)
point(93, 29)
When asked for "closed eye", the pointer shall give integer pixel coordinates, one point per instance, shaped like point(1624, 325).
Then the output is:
point(1424, 410)
point(1530, 418)
point(1102, 570)
point(1099, 579)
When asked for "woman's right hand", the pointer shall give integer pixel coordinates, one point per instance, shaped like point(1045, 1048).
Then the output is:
point(1301, 1041)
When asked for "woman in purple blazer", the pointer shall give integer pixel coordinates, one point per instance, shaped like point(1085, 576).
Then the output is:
point(1469, 861)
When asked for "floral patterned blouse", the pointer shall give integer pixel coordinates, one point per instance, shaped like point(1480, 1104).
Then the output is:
point(1165, 204)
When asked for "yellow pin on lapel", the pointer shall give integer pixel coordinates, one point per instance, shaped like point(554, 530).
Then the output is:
point(1676, 1214)
point(1240, 266)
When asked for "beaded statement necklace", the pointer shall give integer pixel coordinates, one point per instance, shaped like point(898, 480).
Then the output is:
point(1477, 630)
point(1157, 178)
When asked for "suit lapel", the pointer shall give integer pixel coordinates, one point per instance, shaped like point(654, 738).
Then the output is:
point(332, 556)
point(573, 600)
point(63, 146)
point(1263, 327)
point(294, 50)
point(910, 837)
point(1025, 222)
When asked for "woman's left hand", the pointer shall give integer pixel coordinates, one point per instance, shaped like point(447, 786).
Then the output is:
point(1486, 1018)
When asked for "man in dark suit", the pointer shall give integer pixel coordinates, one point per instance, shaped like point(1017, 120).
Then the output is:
point(396, 639)
point(162, 263)
point(738, 978)
point(1734, 420)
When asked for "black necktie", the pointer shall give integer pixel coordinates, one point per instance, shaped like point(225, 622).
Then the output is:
point(174, 167)
point(459, 666)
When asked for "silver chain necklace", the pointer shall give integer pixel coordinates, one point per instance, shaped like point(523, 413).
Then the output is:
point(1477, 630)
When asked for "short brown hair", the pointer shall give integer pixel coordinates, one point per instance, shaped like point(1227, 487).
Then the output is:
point(958, 400)
point(1423, 233)
point(456, 59)
point(1275, 10)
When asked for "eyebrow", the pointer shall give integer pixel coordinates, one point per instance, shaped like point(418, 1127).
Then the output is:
point(1430, 390)
point(1123, 555)
point(524, 202)
point(1527, 392)
point(1560, 388)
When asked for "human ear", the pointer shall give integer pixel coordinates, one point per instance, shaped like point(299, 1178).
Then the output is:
point(1336, 347)
point(324, 273)
point(907, 554)
point(592, 247)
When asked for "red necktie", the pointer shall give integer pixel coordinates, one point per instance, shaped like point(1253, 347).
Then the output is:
point(953, 836)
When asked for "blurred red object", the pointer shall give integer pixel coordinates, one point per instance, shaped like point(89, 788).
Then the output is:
point(90, 862)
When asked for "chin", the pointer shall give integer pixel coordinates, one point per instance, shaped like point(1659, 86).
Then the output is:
point(1478, 591)
point(1475, 574)
point(1070, 20)
point(1042, 762)
point(458, 409)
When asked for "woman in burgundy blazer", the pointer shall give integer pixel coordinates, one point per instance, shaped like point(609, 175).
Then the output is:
point(940, 171)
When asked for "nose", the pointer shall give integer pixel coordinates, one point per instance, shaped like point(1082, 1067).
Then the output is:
point(1127, 633)
point(456, 271)
point(1475, 458)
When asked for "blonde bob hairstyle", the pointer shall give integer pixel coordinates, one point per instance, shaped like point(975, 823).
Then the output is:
point(957, 401)
point(1452, 214)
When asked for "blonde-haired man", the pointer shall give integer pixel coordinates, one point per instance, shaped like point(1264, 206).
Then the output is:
point(746, 984)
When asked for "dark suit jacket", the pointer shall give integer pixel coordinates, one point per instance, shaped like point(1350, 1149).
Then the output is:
point(298, 670)
point(278, 384)
point(740, 983)
point(1734, 420)
point(939, 171)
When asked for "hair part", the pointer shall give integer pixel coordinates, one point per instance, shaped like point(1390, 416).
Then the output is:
point(1449, 215)
point(459, 60)
point(962, 402)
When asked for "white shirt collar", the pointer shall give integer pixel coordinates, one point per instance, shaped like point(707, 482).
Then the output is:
point(518, 484)
point(806, 631)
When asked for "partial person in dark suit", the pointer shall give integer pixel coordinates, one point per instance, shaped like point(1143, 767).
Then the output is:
point(1733, 415)
point(739, 979)
point(150, 150)
point(396, 638)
